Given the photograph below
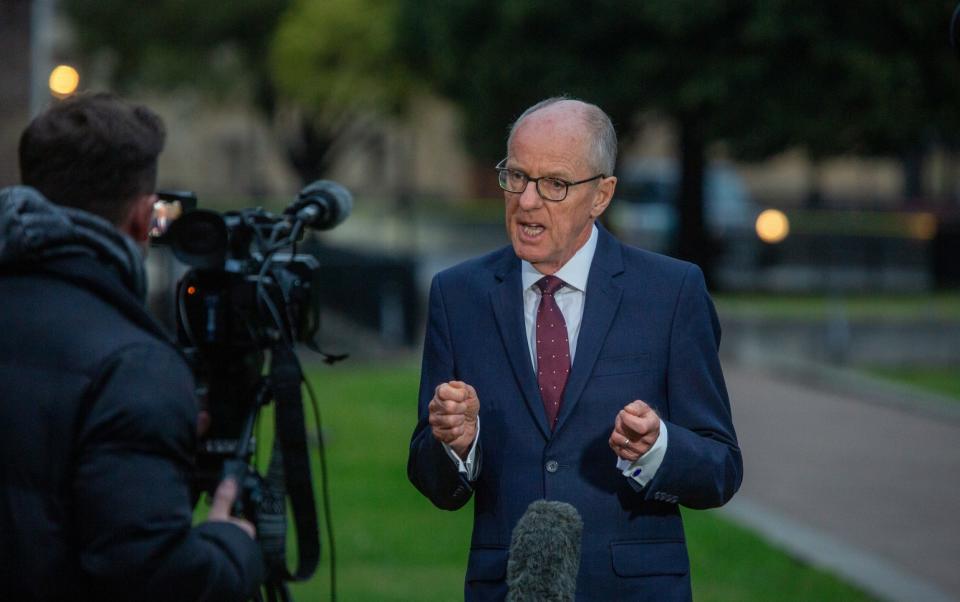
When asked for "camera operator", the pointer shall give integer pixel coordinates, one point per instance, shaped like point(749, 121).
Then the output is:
point(97, 406)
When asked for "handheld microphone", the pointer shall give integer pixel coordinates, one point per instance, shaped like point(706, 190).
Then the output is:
point(545, 553)
point(322, 205)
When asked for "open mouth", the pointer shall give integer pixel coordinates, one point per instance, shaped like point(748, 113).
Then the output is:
point(532, 230)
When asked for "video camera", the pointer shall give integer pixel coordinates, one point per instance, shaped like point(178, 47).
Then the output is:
point(249, 296)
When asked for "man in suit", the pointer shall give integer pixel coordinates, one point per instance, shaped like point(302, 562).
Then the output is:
point(570, 367)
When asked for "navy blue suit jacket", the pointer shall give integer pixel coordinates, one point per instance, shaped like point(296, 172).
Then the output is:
point(649, 332)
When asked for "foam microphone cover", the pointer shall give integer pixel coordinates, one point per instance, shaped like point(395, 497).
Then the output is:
point(323, 204)
point(545, 553)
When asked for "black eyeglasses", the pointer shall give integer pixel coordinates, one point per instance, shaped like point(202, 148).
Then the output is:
point(549, 188)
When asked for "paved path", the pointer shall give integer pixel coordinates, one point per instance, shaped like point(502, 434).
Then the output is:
point(877, 485)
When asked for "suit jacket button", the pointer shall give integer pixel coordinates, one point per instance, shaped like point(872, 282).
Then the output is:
point(552, 466)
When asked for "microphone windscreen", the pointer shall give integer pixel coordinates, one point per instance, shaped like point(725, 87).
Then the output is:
point(332, 203)
point(545, 553)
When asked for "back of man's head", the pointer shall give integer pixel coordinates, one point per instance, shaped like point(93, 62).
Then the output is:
point(94, 152)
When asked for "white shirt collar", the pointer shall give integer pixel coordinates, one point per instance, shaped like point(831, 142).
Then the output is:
point(575, 272)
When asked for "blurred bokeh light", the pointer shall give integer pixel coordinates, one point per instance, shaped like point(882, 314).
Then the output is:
point(64, 81)
point(772, 226)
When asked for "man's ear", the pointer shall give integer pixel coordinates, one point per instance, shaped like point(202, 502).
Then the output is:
point(137, 221)
point(603, 196)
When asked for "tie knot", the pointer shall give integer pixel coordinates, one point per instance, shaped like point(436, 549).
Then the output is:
point(549, 284)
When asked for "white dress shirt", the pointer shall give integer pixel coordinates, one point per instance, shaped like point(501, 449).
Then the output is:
point(570, 299)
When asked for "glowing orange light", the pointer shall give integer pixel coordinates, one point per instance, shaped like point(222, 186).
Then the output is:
point(772, 226)
point(191, 290)
point(64, 81)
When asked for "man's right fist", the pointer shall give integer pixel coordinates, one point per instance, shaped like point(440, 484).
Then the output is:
point(453, 415)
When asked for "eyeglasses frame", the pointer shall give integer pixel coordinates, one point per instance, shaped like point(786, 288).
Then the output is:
point(501, 167)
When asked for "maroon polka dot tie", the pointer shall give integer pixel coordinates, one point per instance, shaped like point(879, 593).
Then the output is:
point(553, 349)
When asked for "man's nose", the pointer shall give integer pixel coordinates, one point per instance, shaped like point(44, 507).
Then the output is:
point(530, 198)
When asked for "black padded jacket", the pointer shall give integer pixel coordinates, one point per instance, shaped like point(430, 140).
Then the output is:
point(97, 426)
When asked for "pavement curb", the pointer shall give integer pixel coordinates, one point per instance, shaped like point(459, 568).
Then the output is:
point(855, 384)
point(867, 571)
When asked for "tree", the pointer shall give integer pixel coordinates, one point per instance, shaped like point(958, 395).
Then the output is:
point(324, 65)
point(335, 60)
point(761, 75)
point(218, 47)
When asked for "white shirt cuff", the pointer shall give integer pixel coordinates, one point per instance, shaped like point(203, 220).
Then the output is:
point(467, 466)
point(645, 467)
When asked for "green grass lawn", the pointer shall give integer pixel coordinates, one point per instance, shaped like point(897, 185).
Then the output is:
point(392, 544)
point(945, 381)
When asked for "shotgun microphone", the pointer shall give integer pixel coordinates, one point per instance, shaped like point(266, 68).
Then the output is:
point(323, 204)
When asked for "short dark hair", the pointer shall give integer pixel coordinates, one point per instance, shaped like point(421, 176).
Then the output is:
point(95, 152)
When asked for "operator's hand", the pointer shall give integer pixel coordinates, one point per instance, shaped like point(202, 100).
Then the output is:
point(635, 430)
point(223, 500)
point(453, 415)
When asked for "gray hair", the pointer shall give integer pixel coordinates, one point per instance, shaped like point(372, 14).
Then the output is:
point(603, 147)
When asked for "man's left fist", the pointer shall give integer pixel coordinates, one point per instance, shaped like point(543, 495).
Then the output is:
point(635, 430)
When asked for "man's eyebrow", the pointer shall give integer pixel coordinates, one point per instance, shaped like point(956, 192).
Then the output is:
point(558, 175)
point(550, 174)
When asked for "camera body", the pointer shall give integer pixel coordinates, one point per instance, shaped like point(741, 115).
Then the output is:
point(221, 327)
point(246, 294)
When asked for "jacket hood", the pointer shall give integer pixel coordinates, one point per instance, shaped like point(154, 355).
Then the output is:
point(34, 230)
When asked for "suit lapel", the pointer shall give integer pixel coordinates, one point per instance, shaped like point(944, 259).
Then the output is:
point(602, 303)
point(507, 301)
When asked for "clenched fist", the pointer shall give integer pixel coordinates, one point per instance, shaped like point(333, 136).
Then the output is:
point(453, 415)
point(635, 430)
